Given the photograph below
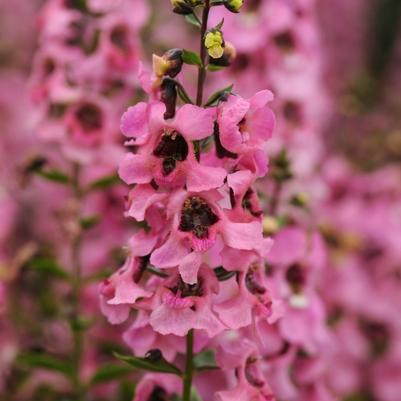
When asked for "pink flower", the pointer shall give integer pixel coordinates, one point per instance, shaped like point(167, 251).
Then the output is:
point(141, 338)
point(120, 292)
point(246, 124)
point(183, 307)
point(242, 356)
point(197, 222)
point(167, 154)
point(155, 386)
point(251, 300)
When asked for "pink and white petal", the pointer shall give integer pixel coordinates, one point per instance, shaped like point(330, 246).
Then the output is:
point(189, 267)
point(142, 243)
point(156, 120)
point(231, 137)
point(134, 122)
point(166, 320)
point(237, 259)
point(115, 314)
point(260, 125)
point(140, 339)
point(140, 199)
point(240, 181)
point(261, 98)
point(136, 169)
point(194, 122)
point(202, 178)
point(234, 109)
point(205, 319)
point(236, 312)
point(170, 254)
point(127, 291)
point(246, 236)
point(260, 162)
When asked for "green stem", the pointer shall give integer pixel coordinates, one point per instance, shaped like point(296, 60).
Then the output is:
point(189, 367)
point(79, 388)
point(275, 200)
point(202, 68)
point(203, 54)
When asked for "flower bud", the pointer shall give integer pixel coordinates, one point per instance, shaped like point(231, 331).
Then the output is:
point(228, 56)
point(234, 5)
point(270, 225)
point(184, 7)
point(169, 64)
point(214, 44)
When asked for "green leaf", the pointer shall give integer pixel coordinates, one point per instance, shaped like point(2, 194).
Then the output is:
point(105, 182)
point(54, 175)
point(89, 221)
point(183, 95)
point(223, 274)
point(81, 323)
point(48, 266)
point(109, 372)
point(205, 361)
point(193, 20)
point(150, 363)
point(126, 391)
point(219, 25)
point(214, 68)
point(191, 58)
point(80, 5)
point(214, 99)
point(45, 361)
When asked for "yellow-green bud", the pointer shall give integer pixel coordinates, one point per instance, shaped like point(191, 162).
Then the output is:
point(169, 64)
point(160, 65)
point(228, 57)
point(214, 44)
point(181, 7)
point(270, 225)
point(234, 5)
point(184, 7)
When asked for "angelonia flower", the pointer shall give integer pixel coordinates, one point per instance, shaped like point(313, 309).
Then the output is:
point(82, 76)
point(196, 268)
point(69, 211)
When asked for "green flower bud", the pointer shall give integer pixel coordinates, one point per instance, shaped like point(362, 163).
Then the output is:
point(234, 5)
point(214, 44)
point(169, 64)
point(184, 7)
point(228, 57)
point(181, 7)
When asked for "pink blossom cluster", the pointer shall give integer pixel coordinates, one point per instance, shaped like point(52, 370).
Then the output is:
point(81, 80)
point(362, 223)
point(198, 263)
point(83, 73)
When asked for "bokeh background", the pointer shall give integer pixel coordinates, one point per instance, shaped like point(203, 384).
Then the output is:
point(68, 69)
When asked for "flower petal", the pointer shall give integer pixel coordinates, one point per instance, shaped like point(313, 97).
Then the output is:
point(140, 199)
point(189, 267)
point(202, 178)
point(134, 122)
point(194, 122)
point(170, 254)
point(135, 169)
point(243, 235)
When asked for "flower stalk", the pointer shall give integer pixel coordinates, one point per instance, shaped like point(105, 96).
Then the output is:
point(203, 54)
point(189, 368)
